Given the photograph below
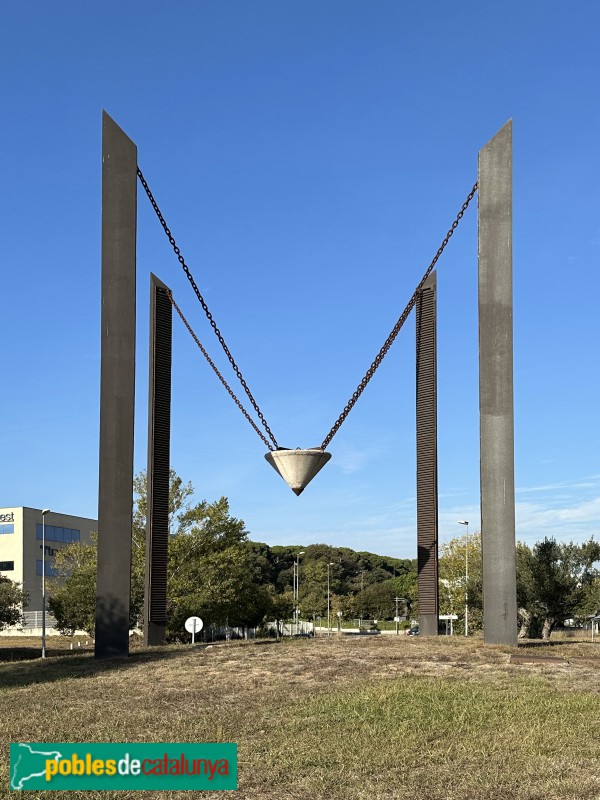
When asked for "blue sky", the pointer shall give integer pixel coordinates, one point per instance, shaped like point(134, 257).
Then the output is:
point(309, 158)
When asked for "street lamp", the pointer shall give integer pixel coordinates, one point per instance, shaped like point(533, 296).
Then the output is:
point(362, 588)
point(44, 512)
point(329, 564)
point(465, 522)
point(397, 618)
point(297, 588)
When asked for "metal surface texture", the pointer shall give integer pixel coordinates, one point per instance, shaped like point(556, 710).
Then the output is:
point(398, 326)
point(427, 472)
point(298, 467)
point(496, 389)
point(159, 437)
point(209, 316)
point(117, 389)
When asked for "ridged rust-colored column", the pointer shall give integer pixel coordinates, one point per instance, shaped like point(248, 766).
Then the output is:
point(427, 482)
point(159, 444)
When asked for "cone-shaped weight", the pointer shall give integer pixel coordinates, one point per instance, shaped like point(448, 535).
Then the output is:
point(298, 467)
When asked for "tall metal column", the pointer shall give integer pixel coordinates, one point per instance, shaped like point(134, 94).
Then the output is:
point(117, 387)
point(496, 389)
point(427, 482)
point(159, 438)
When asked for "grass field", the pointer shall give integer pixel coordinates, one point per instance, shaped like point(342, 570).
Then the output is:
point(341, 718)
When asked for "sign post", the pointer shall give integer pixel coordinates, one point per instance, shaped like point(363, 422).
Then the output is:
point(193, 625)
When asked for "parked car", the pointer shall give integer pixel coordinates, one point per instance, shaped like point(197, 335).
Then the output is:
point(413, 631)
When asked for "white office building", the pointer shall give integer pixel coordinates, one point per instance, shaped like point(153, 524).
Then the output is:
point(21, 533)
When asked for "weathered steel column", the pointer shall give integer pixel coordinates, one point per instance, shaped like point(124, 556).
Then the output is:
point(496, 389)
point(159, 445)
point(117, 385)
point(427, 483)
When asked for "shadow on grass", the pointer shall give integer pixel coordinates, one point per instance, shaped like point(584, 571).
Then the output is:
point(75, 664)
point(535, 643)
point(29, 653)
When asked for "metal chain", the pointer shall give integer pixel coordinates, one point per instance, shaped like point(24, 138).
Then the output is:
point(209, 316)
point(397, 327)
point(369, 373)
point(217, 373)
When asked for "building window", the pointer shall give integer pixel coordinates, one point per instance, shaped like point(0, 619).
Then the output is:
point(50, 572)
point(7, 528)
point(55, 533)
point(8, 566)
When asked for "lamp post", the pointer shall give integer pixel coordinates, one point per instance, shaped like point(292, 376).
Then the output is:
point(362, 588)
point(397, 620)
point(465, 522)
point(329, 564)
point(44, 512)
point(297, 588)
point(295, 564)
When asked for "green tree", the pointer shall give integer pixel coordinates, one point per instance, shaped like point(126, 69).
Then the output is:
point(313, 587)
point(12, 601)
point(453, 586)
point(216, 572)
point(555, 581)
point(378, 600)
point(264, 569)
point(351, 571)
point(182, 514)
point(526, 589)
point(281, 607)
point(212, 569)
point(589, 581)
point(72, 593)
point(589, 605)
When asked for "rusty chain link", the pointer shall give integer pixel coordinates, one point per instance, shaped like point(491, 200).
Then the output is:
point(397, 327)
point(216, 371)
point(213, 324)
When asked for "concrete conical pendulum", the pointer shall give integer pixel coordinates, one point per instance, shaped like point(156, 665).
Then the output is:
point(298, 467)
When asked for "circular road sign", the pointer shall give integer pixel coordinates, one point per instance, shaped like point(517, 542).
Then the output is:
point(193, 624)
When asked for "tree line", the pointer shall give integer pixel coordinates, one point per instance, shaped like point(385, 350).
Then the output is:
point(216, 572)
point(556, 582)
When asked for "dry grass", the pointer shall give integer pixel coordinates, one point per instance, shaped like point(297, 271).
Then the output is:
point(349, 718)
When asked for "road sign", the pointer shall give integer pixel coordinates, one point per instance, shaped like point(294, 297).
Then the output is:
point(193, 625)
